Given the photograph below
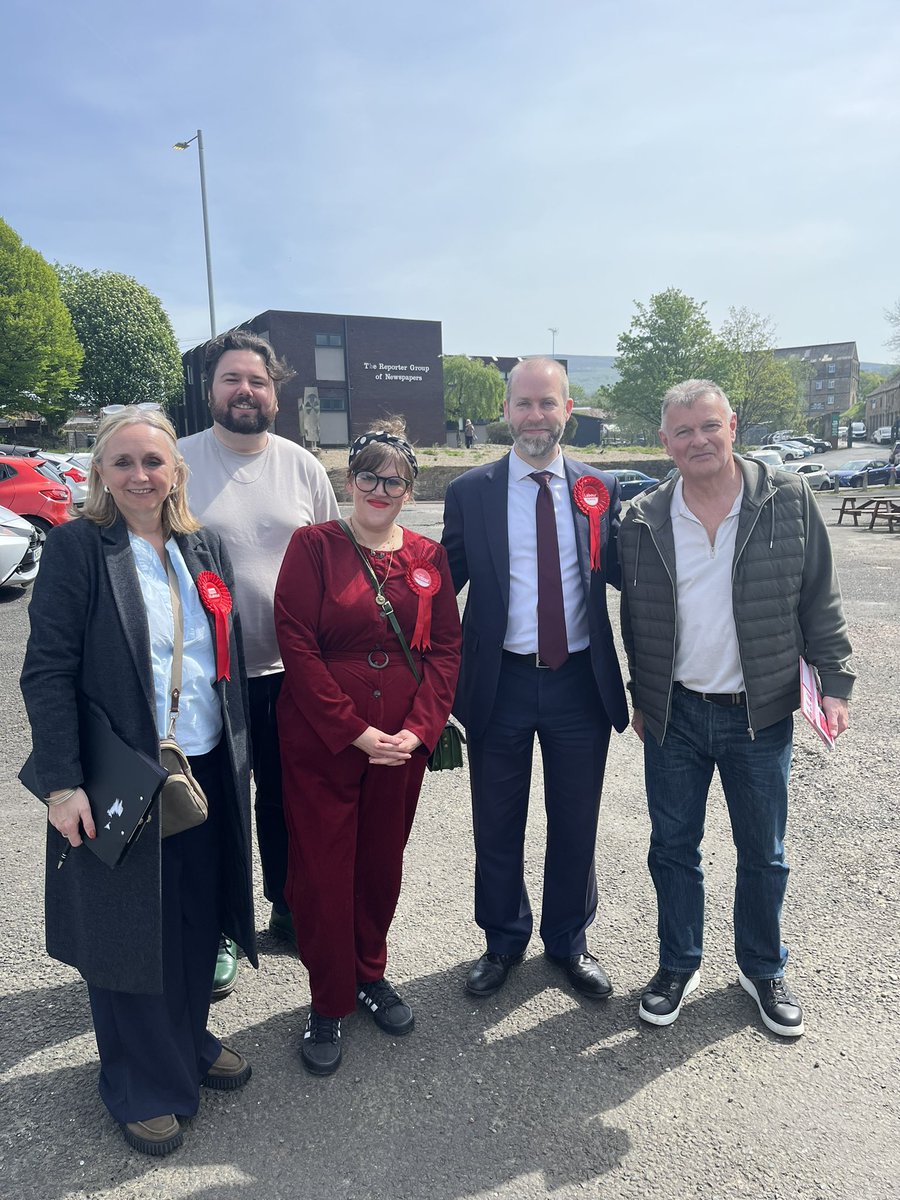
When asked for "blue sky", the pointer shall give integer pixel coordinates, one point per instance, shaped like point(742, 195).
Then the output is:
point(502, 166)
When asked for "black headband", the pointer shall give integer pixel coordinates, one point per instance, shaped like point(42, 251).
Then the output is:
point(387, 439)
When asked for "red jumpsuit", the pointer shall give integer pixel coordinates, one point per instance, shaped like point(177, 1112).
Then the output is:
point(348, 821)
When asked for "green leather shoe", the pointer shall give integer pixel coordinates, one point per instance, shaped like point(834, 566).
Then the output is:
point(226, 969)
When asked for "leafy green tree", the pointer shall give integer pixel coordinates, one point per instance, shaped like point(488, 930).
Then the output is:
point(762, 388)
point(39, 353)
point(130, 351)
point(868, 382)
point(471, 389)
point(669, 340)
point(892, 316)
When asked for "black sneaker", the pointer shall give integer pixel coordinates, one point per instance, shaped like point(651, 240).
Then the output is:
point(664, 995)
point(390, 1012)
point(778, 1006)
point(321, 1049)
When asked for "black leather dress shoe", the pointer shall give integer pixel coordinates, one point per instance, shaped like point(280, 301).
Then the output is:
point(585, 975)
point(489, 974)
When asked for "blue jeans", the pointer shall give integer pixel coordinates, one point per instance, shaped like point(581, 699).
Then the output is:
point(754, 773)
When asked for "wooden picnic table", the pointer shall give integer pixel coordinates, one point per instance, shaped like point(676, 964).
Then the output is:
point(887, 509)
point(872, 508)
point(850, 507)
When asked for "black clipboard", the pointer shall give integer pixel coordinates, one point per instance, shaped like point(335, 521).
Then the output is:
point(121, 784)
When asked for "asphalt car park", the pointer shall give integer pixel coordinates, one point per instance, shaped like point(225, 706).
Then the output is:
point(532, 1093)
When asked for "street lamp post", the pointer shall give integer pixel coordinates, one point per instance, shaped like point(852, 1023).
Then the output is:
point(553, 333)
point(198, 138)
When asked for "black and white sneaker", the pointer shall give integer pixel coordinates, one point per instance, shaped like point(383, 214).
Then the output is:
point(389, 1011)
point(778, 1006)
point(664, 995)
point(321, 1050)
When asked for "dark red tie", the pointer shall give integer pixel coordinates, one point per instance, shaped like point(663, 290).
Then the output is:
point(553, 646)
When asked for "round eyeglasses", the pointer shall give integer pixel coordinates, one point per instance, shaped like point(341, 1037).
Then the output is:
point(394, 486)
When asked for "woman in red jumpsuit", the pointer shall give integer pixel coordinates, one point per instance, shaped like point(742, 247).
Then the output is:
point(356, 731)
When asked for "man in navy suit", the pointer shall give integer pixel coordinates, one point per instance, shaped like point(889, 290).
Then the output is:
point(518, 531)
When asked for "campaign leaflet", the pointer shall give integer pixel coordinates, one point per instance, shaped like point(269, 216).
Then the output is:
point(811, 704)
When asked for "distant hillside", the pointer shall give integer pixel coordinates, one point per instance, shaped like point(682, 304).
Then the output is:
point(884, 369)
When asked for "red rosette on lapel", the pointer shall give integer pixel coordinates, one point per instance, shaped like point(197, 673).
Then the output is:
point(424, 579)
point(216, 599)
point(591, 496)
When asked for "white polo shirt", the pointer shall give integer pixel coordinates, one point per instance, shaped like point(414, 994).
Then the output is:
point(707, 658)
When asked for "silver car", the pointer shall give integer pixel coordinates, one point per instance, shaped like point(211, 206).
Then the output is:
point(20, 549)
point(73, 474)
point(814, 473)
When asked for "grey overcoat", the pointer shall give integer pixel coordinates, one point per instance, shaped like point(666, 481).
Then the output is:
point(90, 640)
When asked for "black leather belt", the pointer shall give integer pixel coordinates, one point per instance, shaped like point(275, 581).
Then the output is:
point(723, 699)
point(535, 660)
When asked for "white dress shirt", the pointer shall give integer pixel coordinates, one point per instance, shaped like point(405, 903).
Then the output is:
point(521, 626)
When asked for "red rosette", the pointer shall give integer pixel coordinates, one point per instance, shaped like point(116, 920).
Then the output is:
point(592, 498)
point(216, 599)
point(424, 579)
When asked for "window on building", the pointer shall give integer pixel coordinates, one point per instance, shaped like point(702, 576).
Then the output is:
point(188, 373)
point(818, 385)
point(831, 368)
point(330, 363)
point(831, 383)
point(329, 339)
point(332, 400)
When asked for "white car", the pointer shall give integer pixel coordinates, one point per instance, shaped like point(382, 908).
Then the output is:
point(814, 474)
point(20, 549)
point(768, 454)
point(882, 436)
point(789, 452)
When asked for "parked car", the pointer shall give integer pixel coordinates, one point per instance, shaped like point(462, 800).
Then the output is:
point(74, 475)
point(20, 550)
point(768, 454)
point(851, 473)
point(808, 451)
point(815, 474)
point(789, 452)
point(31, 488)
point(882, 436)
point(632, 483)
point(817, 445)
point(779, 435)
point(859, 431)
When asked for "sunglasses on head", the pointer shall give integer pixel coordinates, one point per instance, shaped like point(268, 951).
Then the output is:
point(145, 406)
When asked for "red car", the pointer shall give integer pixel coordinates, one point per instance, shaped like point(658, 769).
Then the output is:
point(31, 489)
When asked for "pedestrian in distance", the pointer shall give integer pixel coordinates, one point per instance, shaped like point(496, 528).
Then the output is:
point(143, 934)
point(727, 580)
point(254, 489)
point(534, 535)
point(358, 719)
point(469, 432)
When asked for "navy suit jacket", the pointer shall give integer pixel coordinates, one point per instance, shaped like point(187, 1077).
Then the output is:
point(476, 536)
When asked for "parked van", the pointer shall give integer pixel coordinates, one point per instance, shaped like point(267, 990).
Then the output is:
point(882, 436)
point(859, 430)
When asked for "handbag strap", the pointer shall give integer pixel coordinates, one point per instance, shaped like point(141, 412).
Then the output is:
point(381, 599)
point(177, 645)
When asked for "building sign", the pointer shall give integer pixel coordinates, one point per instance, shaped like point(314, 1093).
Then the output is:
point(396, 372)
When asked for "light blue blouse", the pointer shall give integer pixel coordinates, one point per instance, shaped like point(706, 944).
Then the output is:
point(199, 724)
